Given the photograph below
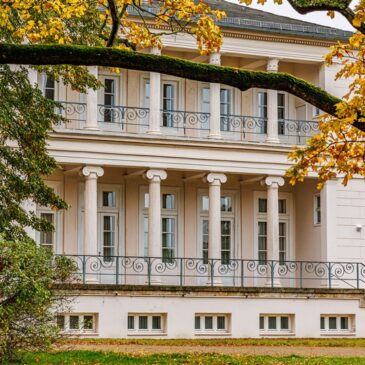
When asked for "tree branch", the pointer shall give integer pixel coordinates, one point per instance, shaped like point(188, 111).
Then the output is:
point(111, 57)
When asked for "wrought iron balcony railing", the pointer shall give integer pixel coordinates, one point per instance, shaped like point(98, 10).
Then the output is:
point(297, 131)
point(123, 116)
point(133, 270)
point(73, 111)
point(185, 120)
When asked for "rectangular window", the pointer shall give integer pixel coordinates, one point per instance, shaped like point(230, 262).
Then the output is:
point(282, 243)
point(88, 322)
point(211, 323)
point(276, 323)
point(109, 232)
point(131, 322)
point(168, 238)
point(221, 323)
point(147, 323)
point(109, 100)
point(282, 206)
point(208, 325)
point(143, 322)
point(109, 199)
point(334, 324)
point(168, 104)
point(60, 320)
point(74, 323)
point(168, 201)
point(226, 204)
point(281, 113)
point(156, 322)
point(205, 203)
point(47, 238)
point(262, 205)
point(205, 239)
point(226, 239)
point(262, 110)
point(205, 100)
point(317, 209)
point(225, 109)
point(262, 242)
point(49, 87)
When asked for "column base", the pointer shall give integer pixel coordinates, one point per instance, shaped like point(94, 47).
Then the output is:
point(272, 140)
point(154, 132)
point(276, 284)
point(215, 136)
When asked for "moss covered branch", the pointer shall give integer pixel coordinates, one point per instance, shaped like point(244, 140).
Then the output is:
point(110, 57)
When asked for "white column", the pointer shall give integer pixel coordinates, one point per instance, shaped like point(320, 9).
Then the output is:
point(91, 174)
point(32, 76)
point(215, 101)
point(272, 183)
point(92, 103)
point(214, 226)
point(154, 211)
point(272, 106)
point(155, 98)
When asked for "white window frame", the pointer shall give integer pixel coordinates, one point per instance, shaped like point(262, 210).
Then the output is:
point(58, 218)
point(351, 330)
point(233, 216)
point(149, 331)
point(117, 210)
point(278, 331)
point(80, 330)
point(117, 99)
point(42, 81)
point(287, 218)
point(165, 213)
point(202, 331)
point(317, 209)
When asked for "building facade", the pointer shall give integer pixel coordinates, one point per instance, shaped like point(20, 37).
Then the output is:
point(181, 221)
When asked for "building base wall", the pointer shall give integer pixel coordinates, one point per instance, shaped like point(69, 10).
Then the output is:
point(241, 308)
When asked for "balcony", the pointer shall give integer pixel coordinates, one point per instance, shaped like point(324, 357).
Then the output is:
point(180, 123)
point(133, 270)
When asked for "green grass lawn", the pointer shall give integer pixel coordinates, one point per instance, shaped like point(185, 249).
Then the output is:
point(98, 358)
point(311, 342)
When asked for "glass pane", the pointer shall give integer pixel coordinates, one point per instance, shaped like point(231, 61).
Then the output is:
point(197, 323)
point(208, 323)
point(262, 228)
point(146, 200)
point(156, 322)
point(60, 322)
point(332, 323)
point(226, 227)
point(168, 201)
point(147, 94)
point(262, 323)
point(109, 85)
point(344, 323)
point(143, 322)
point(282, 206)
point(284, 323)
point(46, 238)
point(205, 203)
point(131, 322)
point(272, 323)
point(74, 322)
point(226, 204)
point(206, 100)
point(88, 322)
point(322, 323)
point(145, 235)
point(262, 205)
point(108, 198)
point(221, 323)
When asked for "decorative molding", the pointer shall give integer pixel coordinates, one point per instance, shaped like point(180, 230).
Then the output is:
point(272, 65)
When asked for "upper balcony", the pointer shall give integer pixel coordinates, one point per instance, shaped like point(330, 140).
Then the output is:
point(138, 103)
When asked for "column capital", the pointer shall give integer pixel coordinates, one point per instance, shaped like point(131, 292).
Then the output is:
point(215, 59)
point(92, 172)
point(214, 178)
point(274, 181)
point(272, 65)
point(155, 175)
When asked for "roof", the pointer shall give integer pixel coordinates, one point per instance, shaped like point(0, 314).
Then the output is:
point(243, 17)
point(246, 18)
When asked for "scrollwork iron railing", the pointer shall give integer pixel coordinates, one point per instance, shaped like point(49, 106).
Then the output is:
point(243, 124)
point(135, 270)
point(73, 111)
point(184, 120)
point(297, 131)
point(123, 116)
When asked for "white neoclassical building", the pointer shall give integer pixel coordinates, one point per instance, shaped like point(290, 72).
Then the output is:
point(181, 221)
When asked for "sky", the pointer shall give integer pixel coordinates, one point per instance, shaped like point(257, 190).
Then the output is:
point(316, 17)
